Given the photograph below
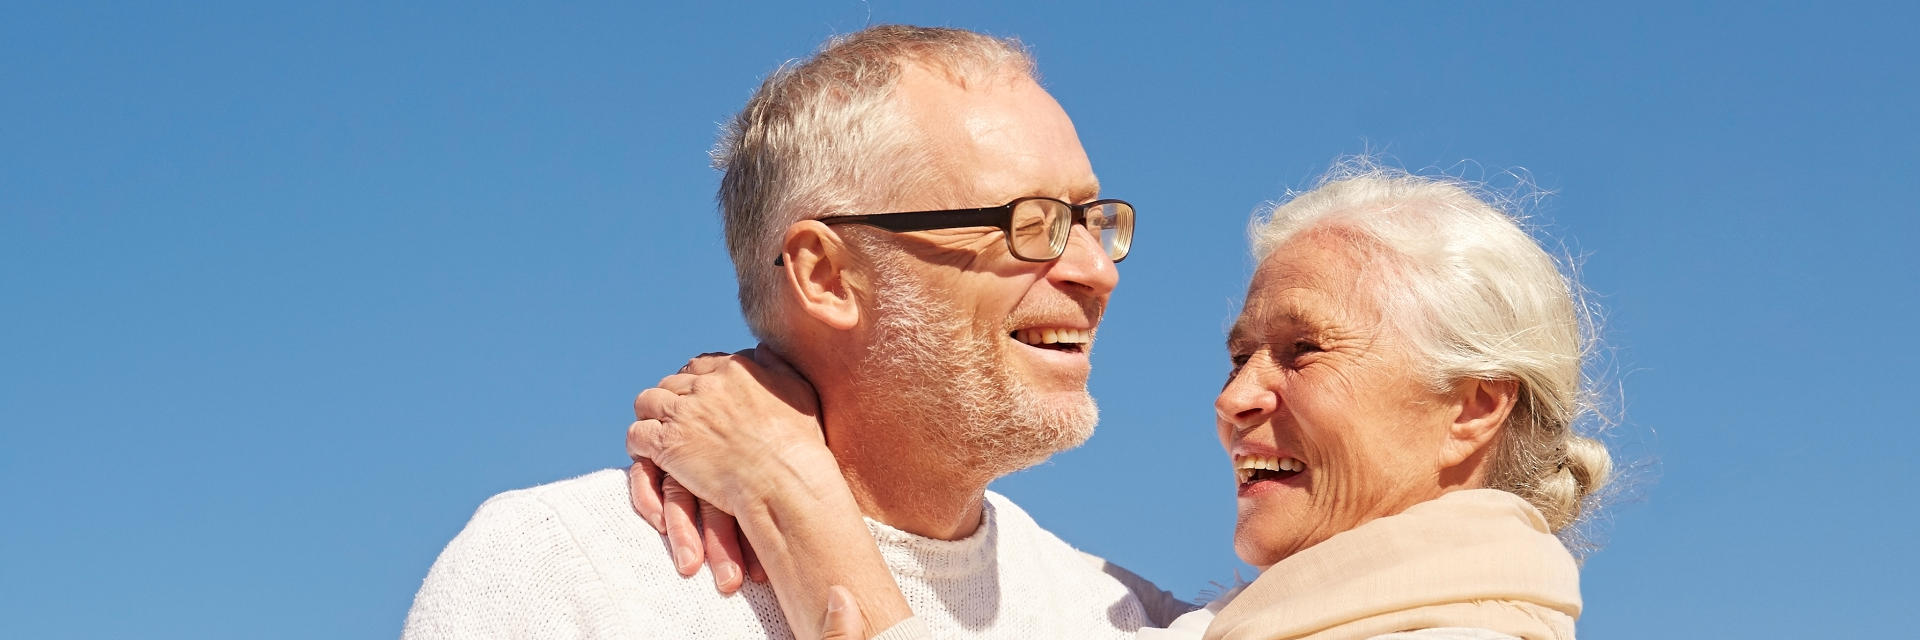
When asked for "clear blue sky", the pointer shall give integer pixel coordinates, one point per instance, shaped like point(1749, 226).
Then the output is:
point(286, 291)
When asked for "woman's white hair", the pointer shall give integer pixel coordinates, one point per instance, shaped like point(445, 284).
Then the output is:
point(1478, 299)
point(824, 137)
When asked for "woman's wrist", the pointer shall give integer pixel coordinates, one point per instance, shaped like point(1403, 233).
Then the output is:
point(808, 532)
point(794, 483)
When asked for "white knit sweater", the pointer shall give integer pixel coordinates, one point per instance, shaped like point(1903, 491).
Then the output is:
point(572, 560)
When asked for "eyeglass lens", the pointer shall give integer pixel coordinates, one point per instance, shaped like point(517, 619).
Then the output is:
point(1041, 228)
point(1037, 226)
point(1112, 223)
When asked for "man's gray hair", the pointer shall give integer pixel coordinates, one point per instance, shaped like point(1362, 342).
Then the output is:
point(823, 137)
point(1478, 299)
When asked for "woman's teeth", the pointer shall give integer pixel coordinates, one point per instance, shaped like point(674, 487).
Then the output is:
point(1247, 467)
point(1044, 337)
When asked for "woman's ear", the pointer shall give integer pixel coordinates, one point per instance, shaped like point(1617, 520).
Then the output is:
point(1483, 406)
point(819, 274)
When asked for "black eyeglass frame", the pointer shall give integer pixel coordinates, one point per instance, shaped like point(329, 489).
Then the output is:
point(1000, 217)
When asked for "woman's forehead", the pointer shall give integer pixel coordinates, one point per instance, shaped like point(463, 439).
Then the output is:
point(1308, 287)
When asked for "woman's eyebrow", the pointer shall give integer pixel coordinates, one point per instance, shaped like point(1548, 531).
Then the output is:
point(1236, 337)
point(1270, 317)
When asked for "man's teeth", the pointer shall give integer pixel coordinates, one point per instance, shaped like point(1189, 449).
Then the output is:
point(1053, 336)
point(1245, 466)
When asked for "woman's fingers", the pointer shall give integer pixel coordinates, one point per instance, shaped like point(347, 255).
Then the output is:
point(705, 365)
point(755, 571)
point(772, 371)
point(679, 383)
point(683, 538)
point(644, 486)
point(721, 537)
point(698, 425)
point(765, 356)
point(643, 489)
point(843, 621)
point(656, 403)
point(646, 440)
point(705, 362)
point(667, 505)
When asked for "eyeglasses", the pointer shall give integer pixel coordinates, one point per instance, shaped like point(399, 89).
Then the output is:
point(1036, 227)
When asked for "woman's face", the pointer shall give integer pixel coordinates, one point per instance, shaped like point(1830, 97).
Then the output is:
point(1323, 417)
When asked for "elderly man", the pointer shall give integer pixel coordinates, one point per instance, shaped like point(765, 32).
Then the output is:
point(915, 226)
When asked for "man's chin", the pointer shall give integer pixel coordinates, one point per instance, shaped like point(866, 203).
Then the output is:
point(1067, 418)
point(1051, 372)
point(1034, 428)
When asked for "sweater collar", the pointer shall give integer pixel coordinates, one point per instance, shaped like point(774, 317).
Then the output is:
point(908, 554)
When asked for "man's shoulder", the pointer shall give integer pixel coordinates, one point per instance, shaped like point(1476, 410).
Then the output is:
point(566, 518)
point(520, 564)
point(590, 488)
point(558, 554)
point(586, 515)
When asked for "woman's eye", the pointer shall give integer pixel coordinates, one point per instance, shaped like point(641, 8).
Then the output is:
point(1239, 362)
point(1305, 347)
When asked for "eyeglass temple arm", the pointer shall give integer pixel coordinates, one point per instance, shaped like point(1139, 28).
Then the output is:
point(998, 217)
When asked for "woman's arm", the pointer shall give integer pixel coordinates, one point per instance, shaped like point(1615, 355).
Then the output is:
point(739, 432)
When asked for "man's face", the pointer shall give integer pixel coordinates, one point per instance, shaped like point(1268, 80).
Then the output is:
point(993, 348)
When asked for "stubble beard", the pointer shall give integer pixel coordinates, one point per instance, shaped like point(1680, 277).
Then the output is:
point(933, 370)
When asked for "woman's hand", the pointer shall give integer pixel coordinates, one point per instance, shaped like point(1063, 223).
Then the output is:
point(843, 621)
point(741, 432)
point(725, 415)
point(696, 530)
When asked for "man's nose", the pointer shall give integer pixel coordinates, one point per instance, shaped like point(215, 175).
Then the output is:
point(1085, 263)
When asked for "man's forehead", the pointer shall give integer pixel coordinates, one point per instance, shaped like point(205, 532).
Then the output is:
point(1082, 191)
point(1000, 140)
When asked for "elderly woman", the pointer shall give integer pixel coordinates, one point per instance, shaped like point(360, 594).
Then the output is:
point(1406, 378)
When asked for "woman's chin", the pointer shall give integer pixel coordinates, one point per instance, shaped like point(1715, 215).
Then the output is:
point(1271, 519)
point(1258, 546)
point(1251, 555)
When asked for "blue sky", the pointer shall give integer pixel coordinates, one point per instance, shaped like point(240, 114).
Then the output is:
point(288, 290)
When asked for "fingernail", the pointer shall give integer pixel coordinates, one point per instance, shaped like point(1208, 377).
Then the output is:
point(836, 599)
point(683, 558)
point(727, 572)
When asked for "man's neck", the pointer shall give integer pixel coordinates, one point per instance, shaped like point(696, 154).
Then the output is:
point(898, 481)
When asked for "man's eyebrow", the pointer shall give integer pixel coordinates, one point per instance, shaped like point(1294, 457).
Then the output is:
point(1085, 192)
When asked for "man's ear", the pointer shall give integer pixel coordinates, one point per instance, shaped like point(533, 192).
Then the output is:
point(1483, 408)
point(819, 274)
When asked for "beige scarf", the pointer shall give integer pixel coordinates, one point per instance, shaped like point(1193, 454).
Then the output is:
point(1479, 558)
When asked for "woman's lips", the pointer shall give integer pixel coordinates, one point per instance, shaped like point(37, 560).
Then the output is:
point(1258, 472)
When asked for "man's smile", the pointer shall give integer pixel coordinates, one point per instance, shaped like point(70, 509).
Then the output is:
point(1055, 338)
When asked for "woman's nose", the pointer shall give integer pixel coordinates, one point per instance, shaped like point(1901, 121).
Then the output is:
point(1246, 399)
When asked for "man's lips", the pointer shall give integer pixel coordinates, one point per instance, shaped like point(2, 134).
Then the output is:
point(1054, 338)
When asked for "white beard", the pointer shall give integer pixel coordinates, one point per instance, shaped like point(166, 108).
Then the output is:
point(933, 370)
